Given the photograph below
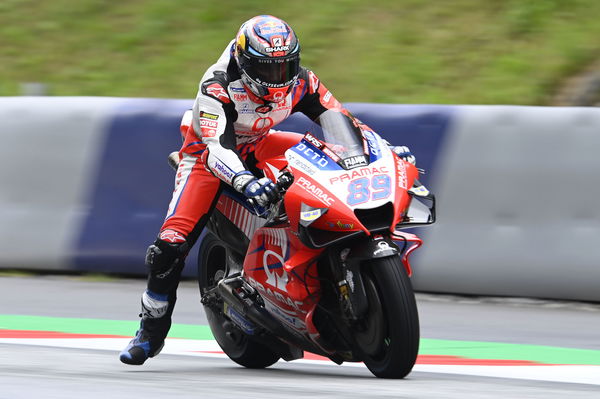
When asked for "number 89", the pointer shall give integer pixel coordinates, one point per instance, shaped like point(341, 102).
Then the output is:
point(362, 190)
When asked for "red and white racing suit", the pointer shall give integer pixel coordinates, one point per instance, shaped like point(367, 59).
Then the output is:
point(227, 125)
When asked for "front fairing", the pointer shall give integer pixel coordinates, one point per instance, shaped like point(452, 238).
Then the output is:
point(332, 191)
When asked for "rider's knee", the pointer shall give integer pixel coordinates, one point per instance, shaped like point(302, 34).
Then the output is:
point(166, 253)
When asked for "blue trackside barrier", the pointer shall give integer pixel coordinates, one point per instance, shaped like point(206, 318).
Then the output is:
point(509, 221)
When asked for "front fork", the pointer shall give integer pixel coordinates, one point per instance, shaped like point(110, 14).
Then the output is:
point(346, 268)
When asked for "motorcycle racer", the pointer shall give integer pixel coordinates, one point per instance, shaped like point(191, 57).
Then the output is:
point(255, 84)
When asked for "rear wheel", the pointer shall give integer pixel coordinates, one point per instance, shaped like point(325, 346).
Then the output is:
point(241, 348)
point(388, 337)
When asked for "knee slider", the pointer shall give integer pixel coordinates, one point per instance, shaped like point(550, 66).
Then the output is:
point(166, 252)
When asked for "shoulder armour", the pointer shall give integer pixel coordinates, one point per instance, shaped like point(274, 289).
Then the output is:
point(216, 87)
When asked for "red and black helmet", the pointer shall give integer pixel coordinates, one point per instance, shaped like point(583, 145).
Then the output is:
point(268, 56)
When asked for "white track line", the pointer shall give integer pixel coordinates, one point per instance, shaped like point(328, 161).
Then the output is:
point(184, 347)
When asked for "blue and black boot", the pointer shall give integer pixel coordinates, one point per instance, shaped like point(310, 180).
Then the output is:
point(154, 327)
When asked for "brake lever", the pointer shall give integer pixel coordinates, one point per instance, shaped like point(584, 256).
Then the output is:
point(284, 182)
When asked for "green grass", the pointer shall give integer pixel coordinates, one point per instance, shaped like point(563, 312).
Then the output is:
point(396, 51)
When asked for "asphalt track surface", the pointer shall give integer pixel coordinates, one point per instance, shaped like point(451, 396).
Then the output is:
point(33, 371)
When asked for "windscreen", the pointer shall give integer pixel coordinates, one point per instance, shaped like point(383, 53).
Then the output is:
point(340, 133)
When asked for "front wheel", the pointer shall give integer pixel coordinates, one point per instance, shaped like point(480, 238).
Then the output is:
point(241, 348)
point(388, 336)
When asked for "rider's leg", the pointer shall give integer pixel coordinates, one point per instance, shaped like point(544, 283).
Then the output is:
point(196, 192)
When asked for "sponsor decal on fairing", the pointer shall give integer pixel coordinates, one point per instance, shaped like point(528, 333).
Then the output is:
point(269, 293)
point(374, 148)
point(300, 163)
point(420, 191)
point(354, 162)
point(313, 140)
point(401, 173)
point(274, 279)
point(316, 157)
point(309, 216)
point(330, 154)
point(342, 225)
point(287, 317)
point(366, 171)
point(315, 191)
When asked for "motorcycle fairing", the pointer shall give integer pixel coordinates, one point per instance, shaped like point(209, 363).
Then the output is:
point(239, 213)
point(284, 272)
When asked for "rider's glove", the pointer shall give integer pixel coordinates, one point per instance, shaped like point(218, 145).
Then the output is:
point(263, 191)
point(404, 153)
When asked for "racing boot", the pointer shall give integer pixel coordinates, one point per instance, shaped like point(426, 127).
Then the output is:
point(154, 327)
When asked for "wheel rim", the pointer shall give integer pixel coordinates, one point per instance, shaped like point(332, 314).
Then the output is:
point(214, 265)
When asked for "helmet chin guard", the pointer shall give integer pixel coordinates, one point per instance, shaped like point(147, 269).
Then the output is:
point(267, 94)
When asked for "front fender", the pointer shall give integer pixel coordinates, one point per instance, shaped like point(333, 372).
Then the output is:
point(374, 248)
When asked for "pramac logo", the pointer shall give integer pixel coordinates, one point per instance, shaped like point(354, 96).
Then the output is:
point(274, 279)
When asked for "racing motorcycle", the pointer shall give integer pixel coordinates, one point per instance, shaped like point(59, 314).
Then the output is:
point(325, 269)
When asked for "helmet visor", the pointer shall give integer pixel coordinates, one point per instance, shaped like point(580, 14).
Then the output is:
point(272, 72)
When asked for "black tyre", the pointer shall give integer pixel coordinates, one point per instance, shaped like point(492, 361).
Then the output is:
point(389, 335)
point(212, 267)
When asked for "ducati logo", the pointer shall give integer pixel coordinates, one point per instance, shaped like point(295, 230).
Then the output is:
point(264, 109)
